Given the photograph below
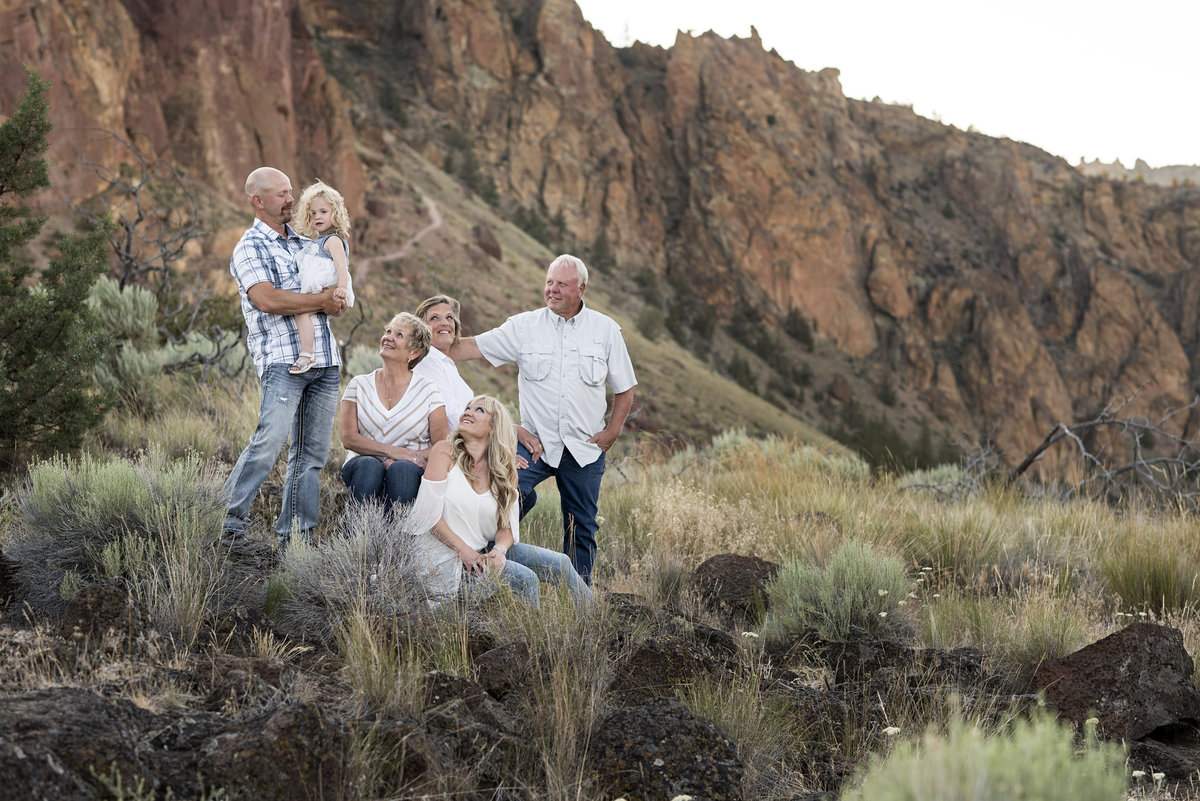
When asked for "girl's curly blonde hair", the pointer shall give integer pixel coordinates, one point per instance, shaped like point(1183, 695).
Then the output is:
point(302, 219)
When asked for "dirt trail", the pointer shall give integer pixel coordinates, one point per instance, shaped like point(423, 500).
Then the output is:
point(362, 267)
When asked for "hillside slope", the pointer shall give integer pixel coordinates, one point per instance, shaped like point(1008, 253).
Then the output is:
point(987, 286)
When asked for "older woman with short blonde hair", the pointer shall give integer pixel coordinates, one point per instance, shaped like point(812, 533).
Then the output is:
point(392, 417)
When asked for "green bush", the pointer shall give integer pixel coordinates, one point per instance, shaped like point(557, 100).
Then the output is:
point(650, 323)
point(363, 359)
point(1038, 760)
point(796, 327)
point(742, 374)
point(854, 595)
point(151, 524)
point(48, 339)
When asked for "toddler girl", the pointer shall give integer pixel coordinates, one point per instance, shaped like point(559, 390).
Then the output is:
point(321, 215)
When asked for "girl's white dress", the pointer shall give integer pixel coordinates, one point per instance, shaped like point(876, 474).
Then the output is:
point(317, 270)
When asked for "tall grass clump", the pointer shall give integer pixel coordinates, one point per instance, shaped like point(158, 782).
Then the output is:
point(212, 419)
point(562, 700)
point(1036, 760)
point(1152, 567)
point(769, 737)
point(856, 594)
point(1018, 631)
point(962, 539)
point(362, 592)
point(151, 524)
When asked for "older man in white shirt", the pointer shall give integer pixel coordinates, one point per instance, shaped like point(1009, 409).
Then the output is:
point(567, 354)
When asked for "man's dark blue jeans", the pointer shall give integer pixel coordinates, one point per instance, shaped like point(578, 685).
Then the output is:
point(579, 492)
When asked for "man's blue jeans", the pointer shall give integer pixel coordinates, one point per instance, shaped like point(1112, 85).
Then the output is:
point(367, 478)
point(303, 408)
point(579, 493)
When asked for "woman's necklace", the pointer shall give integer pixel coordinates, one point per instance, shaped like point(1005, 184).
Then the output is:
point(393, 389)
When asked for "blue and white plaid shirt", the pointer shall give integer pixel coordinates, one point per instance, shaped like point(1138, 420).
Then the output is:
point(263, 256)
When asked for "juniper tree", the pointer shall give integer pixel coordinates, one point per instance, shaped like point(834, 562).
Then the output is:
point(49, 340)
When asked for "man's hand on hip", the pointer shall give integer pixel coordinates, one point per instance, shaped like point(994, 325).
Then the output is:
point(604, 440)
point(531, 443)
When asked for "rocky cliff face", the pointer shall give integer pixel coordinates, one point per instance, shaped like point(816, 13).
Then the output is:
point(218, 87)
point(1006, 290)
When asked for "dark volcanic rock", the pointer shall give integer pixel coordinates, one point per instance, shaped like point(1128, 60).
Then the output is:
point(485, 238)
point(858, 660)
point(502, 670)
point(33, 772)
point(1137, 681)
point(662, 750)
point(814, 709)
point(107, 616)
point(734, 585)
point(274, 754)
point(657, 666)
point(54, 738)
point(441, 688)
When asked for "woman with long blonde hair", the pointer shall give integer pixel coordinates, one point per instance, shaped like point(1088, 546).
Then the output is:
point(468, 510)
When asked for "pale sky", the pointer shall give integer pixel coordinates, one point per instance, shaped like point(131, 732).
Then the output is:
point(1099, 79)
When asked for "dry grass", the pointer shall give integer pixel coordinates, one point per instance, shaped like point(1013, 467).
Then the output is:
point(1023, 578)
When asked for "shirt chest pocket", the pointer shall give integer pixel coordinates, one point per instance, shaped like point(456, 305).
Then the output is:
point(593, 364)
point(535, 362)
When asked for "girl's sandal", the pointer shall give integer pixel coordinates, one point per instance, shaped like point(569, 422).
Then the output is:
point(304, 363)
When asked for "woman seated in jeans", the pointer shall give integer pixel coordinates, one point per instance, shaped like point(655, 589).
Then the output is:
point(391, 418)
point(468, 511)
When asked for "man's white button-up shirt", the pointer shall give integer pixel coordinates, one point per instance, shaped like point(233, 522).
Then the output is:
point(563, 368)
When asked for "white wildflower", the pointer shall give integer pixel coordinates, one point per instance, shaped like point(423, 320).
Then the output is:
point(891, 731)
point(881, 593)
point(1138, 774)
point(750, 634)
point(883, 614)
point(1158, 777)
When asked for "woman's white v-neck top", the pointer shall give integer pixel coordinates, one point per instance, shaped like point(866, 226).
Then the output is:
point(405, 425)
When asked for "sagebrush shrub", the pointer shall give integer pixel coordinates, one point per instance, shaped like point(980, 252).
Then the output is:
point(1038, 760)
point(132, 370)
point(370, 569)
point(855, 594)
point(151, 524)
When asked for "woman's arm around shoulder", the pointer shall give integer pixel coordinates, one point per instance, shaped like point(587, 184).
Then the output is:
point(438, 461)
